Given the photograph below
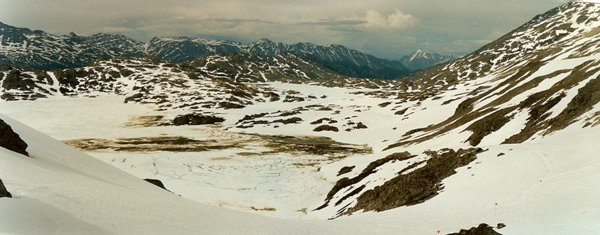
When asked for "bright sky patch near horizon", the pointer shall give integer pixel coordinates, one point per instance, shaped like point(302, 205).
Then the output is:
point(384, 28)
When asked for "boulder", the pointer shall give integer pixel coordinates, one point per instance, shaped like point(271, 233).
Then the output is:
point(196, 119)
point(360, 125)
point(482, 229)
point(326, 128)
point(3, 191)
point(11, 140)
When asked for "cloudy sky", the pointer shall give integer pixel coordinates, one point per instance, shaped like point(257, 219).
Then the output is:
point(385, 28)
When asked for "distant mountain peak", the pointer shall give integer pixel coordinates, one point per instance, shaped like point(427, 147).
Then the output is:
point(421, 59)
point(419, 54)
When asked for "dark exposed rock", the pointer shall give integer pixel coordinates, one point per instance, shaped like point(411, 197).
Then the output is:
point(11, 140)
point(3, 191)
point(406, 189)
point(289, 113)
point(136, 97)
point(291, 98)
point(320, 121)
point(385, 104)
point(401, 112)
point(8, 97)
point(320, 146)
point(17, 80)
point(360, 125)
point(326, 128)
point(482, 229)
point(156, 182)
point(228, 105)
point(196, 119)
point(345, 170)
point(417, 186)
point(252, 117)
point(293, 120)
point(488, 125)
point(371, 168)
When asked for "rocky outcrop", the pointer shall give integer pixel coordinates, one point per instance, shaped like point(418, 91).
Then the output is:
point(196, 119)
point(326, 128)
point(346, 169)
point(11, 140)
point(482, 229)
point(3, 191)
point(418, 185)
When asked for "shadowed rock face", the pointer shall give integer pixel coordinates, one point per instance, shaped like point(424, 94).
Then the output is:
point(482, 229)
point(3, 191)
point(156, 182)
point(11, 140)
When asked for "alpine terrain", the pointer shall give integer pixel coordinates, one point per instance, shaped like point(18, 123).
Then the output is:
point(102, 134)
point(25, 48)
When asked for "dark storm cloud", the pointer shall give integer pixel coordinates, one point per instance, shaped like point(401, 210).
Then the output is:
point(386, 28)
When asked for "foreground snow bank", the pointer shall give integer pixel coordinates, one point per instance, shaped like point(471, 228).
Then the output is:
point(61, 190)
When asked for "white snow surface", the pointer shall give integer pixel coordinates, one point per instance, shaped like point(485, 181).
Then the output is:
point(63, 191)
point(542, 186)
point(545, 185)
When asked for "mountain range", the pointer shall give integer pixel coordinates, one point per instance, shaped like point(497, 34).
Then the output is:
point(22, 47)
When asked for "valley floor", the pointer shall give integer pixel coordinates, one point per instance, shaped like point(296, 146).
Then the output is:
point(544, 186)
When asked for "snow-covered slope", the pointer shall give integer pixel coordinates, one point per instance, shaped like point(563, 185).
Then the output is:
point(62, 191)
point(538, 81)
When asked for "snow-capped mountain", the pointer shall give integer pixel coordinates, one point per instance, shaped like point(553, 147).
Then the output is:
point(420, 60)
point(21, 47)
point(336, 58)
point(183, 48)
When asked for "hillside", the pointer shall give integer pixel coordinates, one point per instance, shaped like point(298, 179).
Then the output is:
point(530, 85)
point(263, 138)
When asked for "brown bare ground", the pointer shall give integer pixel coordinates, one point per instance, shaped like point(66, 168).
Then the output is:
point(152, 144)
point(329, 149)
point(144, 121)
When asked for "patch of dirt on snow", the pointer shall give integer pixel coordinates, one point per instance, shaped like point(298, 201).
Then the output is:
point(262, 208)
point(152, 144)
point(325, 147)
point(309, 145)
point(144, 121)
